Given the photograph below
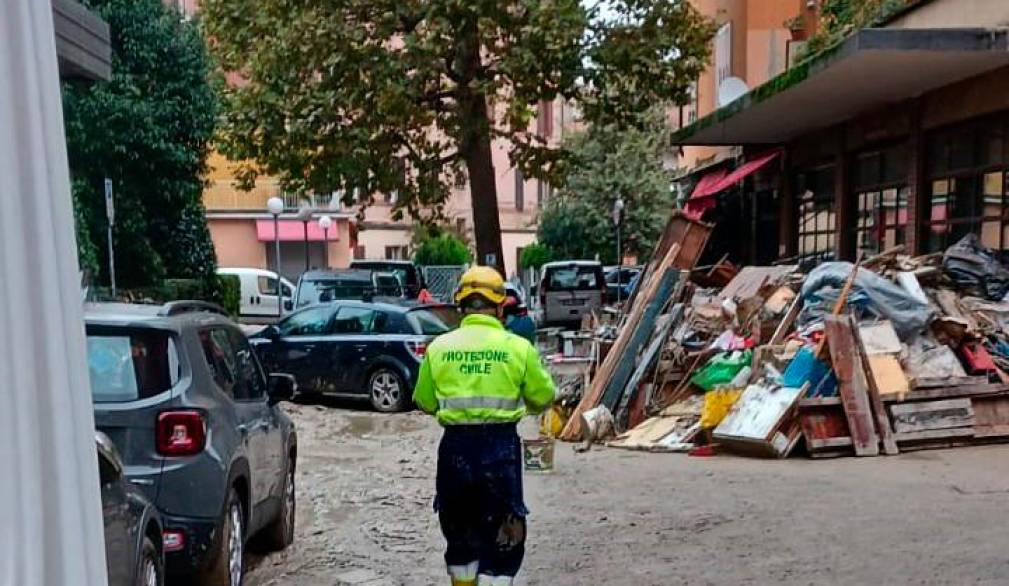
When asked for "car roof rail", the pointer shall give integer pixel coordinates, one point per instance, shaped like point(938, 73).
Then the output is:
point(173, 308)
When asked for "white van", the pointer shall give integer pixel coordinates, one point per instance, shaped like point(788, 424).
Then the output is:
point(259, 291)
point(570, 289)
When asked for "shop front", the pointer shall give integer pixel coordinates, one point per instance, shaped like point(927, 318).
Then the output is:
point(895, 137)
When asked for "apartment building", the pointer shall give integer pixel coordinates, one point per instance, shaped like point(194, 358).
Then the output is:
point(899, 135)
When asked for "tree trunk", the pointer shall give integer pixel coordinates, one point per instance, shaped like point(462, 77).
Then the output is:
point(476, 152)
point(483, 196)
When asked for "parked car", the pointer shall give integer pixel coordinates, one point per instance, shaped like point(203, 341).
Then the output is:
point(259, 291)
point(618, 279)
point(408, 273)
point(570, 289)
point(355, 349)
point(133, 541)
point(323, 286)
point(181, 393)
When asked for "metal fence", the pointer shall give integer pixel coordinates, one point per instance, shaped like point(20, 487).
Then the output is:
point(443, 280)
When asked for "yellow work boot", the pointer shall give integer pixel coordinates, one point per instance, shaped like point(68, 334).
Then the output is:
point(457, 582)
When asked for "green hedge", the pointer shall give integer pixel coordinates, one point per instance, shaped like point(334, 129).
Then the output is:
point(224, 290)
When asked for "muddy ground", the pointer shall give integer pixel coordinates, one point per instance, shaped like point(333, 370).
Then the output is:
point(623, 518)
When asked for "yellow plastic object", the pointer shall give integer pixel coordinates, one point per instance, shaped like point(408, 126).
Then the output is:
point(716, 406)
point(553, 421)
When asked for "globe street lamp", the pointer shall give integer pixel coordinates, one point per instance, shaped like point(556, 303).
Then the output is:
point(325, 222)
point(275, 206)
point(618, 220)
point(305, 215)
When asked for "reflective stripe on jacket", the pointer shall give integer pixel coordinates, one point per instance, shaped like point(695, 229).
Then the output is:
point(481, 373)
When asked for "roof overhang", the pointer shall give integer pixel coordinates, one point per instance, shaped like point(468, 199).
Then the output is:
point(869, 69)
point(82, 42)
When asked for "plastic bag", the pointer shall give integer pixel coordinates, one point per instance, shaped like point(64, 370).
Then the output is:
point(716, 406)
point(976, 269)
point(870, 294)
point(721, 369)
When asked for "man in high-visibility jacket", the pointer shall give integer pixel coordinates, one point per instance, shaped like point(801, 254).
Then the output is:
point(479, 381)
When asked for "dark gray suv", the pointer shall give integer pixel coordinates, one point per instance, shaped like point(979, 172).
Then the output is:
point(181, 393)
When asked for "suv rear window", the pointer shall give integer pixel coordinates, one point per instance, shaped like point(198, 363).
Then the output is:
point(130, 364)
point(324, 291)
point(573, 278)
point(433, 321)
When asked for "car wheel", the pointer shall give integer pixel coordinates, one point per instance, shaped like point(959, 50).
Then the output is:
point(228, 565)
point(280, 533)
point(387, 391)
point(150, 571)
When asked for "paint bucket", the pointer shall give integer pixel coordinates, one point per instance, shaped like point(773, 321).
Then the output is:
point(538, 454)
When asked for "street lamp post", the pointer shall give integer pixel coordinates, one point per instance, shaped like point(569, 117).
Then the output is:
point(305, 215)
point(325, 222)
point(618, 220)
point(275, 205)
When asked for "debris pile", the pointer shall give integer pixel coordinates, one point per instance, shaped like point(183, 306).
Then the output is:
point(891, 353)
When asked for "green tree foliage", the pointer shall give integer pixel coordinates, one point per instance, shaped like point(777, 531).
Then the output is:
point(403, 95)
point(535, 255)
point(840, 18)
point(443, 249)
point(148, 129)
point(611, 163)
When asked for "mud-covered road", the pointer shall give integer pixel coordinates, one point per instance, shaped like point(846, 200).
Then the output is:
point(621, 518)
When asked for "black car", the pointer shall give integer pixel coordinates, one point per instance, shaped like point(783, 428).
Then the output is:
point(355, 349)
point(133, 555)
point(182, 395)
point(408, 273)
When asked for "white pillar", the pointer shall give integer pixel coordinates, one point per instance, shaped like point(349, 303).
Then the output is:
point(50, 511)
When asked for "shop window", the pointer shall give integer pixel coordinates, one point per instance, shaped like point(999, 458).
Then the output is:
point(967, 189)
point(816, 214)
point(881, 196)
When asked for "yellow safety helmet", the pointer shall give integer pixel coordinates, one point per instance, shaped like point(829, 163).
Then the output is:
point(483, 281)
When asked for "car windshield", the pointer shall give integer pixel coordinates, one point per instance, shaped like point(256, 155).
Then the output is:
point(130, 364)
point(323, 291)
point(575, 277)
point(406, 274)
point(388, 285)
point(433, 321)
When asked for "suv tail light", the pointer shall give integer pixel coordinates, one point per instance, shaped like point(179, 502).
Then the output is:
point(416, 348)
point(173, 540)
point(181, 433)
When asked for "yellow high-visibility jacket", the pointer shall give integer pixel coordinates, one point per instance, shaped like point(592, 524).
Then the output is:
point(481, 373)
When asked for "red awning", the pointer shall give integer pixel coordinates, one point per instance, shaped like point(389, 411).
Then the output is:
point(294, 230)
point(705, 186)
point(744, 170)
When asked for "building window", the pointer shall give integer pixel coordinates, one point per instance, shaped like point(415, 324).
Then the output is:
point(545, 120)
point(360, 253)
point(881, 194)
point(520, 190)
point(397, 253)
point(723, 54)
point(542, 192)
point(967, 167)
point(460, 226)
point(816, 214)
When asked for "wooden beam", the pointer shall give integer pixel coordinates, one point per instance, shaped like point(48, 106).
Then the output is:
point(878, 410)
point(852, 384)
point(951, 413)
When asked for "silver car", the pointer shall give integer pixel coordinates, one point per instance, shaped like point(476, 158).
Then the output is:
point(569, 290)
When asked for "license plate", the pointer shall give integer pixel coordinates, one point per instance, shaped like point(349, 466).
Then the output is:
point(571, 302)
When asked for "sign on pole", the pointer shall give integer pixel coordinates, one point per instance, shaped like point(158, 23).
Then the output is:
point(110, 213)
point(110, 206)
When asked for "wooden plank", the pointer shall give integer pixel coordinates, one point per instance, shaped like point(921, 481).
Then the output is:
point(645, 364)
point(878, 410)
point(991, 416)
point(819, 402)
point(949, 381)
point(750, 280)
point(911, 417)
point(934, 434)
point(786, 323)
point(829, 443)
point(616, 355)
point(952, 392)
point(852, 384)
point(888, 376)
